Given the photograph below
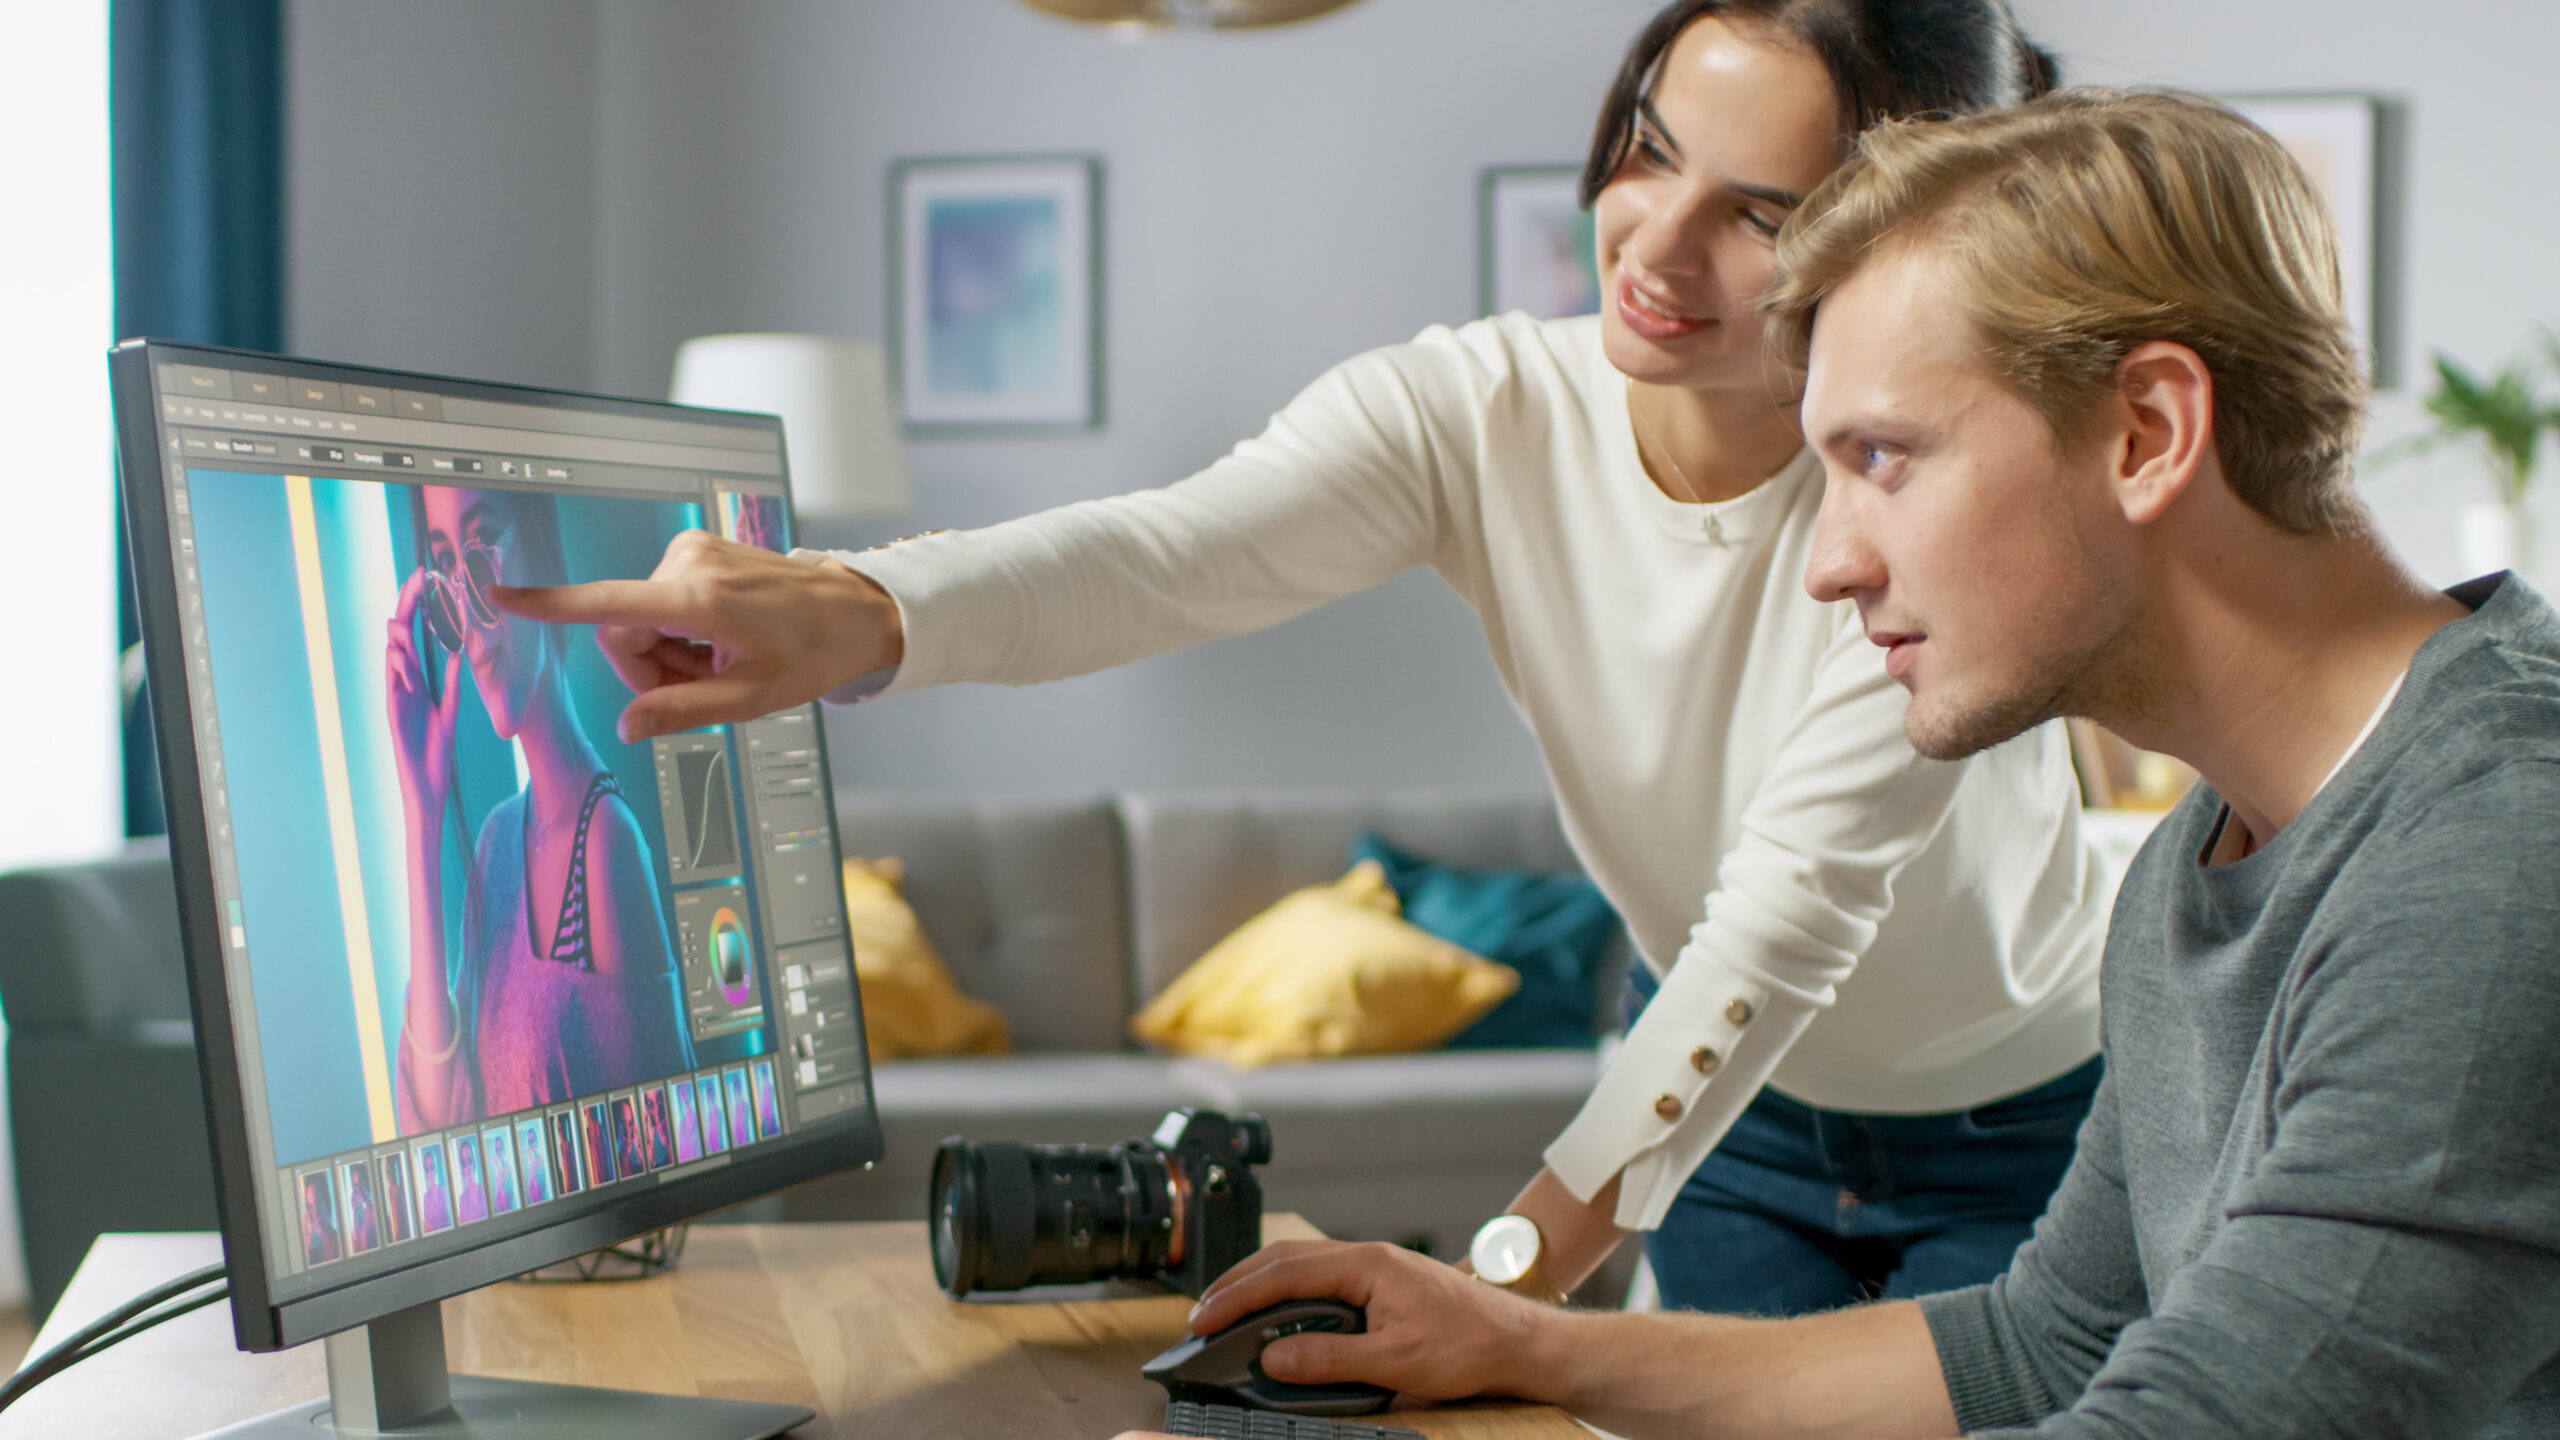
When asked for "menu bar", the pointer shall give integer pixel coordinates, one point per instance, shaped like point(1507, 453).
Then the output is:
point(260, 401)
point(539, 447)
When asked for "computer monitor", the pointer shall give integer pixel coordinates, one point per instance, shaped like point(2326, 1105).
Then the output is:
point(477, 986)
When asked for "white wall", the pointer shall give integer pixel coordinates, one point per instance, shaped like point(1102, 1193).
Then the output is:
point(2483, 175)
point(561, 192)
point(61, 766)
point(440, 186)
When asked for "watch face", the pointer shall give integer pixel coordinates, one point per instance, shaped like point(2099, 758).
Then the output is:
point(1505, 1250)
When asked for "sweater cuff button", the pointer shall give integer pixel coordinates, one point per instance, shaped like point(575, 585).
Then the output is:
point(1668, 1107)
point(1738, 1011)
point(1704, 1060)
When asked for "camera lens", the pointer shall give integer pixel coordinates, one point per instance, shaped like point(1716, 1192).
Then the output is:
point(1007, 1215)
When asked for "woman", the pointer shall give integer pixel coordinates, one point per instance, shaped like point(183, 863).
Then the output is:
point(565, 983)
point(1626, 502)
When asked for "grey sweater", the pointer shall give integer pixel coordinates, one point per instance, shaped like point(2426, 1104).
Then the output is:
point(2319, 1194)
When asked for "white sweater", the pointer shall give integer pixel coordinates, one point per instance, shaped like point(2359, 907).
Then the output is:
point(1727, 754)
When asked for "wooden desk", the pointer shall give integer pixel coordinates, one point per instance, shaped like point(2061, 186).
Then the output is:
point(842, 1318)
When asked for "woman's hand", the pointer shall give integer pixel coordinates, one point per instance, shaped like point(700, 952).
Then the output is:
point(421, 727)
point(723, 632)
point(1433, 1332)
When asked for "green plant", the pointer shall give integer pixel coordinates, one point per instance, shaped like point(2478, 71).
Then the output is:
point(2504, 415)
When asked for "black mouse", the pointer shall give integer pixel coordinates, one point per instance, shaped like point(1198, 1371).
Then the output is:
point(1226, 1368)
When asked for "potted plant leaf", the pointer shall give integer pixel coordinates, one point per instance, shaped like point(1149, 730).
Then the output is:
point(2504, 417)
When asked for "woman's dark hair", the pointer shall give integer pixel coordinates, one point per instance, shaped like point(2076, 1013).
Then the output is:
point(1886, 59)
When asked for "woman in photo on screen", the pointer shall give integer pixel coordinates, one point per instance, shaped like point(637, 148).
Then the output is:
point(565, 983)
point(1845, 938)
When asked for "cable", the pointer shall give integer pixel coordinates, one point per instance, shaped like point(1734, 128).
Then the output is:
point(117, 1326)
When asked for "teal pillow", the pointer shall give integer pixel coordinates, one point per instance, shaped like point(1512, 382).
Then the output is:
point(1554, 929)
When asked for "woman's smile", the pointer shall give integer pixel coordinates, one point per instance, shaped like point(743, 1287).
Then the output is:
point(1652, 317)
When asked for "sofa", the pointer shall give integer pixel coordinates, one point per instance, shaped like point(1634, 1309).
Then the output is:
point(106, 1112)
point(1072, 913)
point(1069, 913)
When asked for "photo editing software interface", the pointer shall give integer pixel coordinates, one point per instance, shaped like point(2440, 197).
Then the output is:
point(487, 963)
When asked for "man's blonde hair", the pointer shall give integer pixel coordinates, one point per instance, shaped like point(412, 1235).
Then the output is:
point(2088, 222)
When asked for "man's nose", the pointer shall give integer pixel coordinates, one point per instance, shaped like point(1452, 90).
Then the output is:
point(1842, 562)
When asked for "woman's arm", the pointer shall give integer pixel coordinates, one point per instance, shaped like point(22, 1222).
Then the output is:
point(1843, 807)
point(1349, 486)
point(422, 740)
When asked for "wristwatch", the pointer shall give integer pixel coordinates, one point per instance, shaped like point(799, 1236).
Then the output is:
point(1510, 1253)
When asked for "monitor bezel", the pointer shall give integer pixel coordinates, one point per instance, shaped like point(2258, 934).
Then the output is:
point(260, 1320)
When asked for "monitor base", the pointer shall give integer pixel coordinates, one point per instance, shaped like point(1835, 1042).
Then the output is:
point(485, 1409)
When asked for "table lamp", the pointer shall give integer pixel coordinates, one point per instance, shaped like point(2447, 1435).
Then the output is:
point(833, 397)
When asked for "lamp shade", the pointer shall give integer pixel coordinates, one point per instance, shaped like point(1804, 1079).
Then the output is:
point(833, 397)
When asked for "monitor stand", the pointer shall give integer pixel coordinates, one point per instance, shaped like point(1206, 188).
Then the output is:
point(387, 1381)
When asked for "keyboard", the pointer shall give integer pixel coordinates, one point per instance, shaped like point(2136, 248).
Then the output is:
point(1233, 1422)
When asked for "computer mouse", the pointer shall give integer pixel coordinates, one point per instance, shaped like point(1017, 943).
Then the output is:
point(1226, 1368)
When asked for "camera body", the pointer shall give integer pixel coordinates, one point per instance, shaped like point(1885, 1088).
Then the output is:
point(1180, 1206)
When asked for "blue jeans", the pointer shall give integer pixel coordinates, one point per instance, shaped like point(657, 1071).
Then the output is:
point(1800, 1209)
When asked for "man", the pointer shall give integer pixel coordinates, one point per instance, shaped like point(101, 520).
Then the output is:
point(2080, 378)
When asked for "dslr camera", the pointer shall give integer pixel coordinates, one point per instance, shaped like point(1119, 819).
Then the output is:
point(1180, 1206)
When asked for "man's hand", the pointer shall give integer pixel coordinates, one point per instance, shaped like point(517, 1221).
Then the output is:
point(1433, 1332)
point(1865, 1373)
point(724, 632)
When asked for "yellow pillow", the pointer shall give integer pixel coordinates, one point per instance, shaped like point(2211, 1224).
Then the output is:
point(1329, 970)
point(909, 1005)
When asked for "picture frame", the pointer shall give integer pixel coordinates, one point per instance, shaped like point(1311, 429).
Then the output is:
point(995, 292)
point(2337, 139)
point(1534, 243)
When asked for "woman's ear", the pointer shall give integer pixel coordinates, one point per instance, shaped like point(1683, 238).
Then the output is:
point(2165, 394)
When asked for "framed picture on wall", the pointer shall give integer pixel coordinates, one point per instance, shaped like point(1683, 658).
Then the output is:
point(1533, 243)
point(2336, 140)
point(995, 266)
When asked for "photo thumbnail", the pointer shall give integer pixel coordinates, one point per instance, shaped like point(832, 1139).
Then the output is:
point(680, 1110)
point(364, 1212)
point(742, 1115)
point(322, 1241)
point(435, 1192)
point(470, 1193)
point(533, 1152)
point(498, 1157)
point(399, 1206)
point(715, 1121)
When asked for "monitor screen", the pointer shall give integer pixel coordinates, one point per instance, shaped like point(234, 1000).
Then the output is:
point(491, 986)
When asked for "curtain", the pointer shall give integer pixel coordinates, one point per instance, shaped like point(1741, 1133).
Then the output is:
point(196, 101)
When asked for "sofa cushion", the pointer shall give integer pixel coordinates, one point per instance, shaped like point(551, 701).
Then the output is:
point(909, 1005)
point(1328, 971)
point(1023, 899)
point(1202, 863)
point(1554, 931)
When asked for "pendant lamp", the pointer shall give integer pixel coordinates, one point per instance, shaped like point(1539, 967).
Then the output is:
point(1189, 14)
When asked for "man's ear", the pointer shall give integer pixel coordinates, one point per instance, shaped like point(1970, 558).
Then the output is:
point(2165, 392)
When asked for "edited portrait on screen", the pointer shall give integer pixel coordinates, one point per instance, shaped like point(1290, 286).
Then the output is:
point(456, 771)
